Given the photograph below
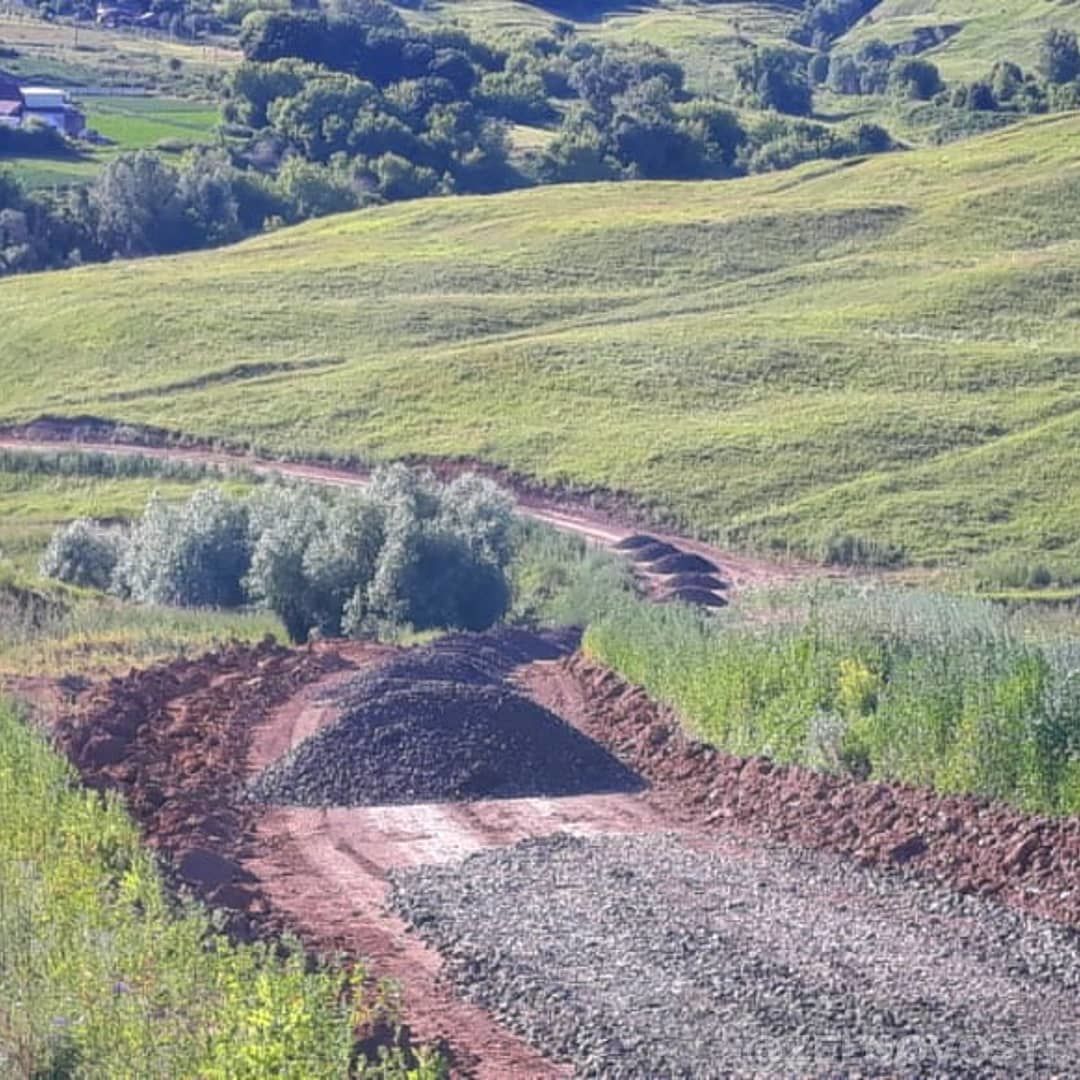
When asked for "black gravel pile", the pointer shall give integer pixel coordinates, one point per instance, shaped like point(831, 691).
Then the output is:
point(651, 552)
point(697, 581)
point(637, 957)
point(638, 540)
point(682, 562)
point(440, 724)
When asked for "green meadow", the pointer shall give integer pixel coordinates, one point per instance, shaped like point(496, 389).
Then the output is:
point(981, 33)
point(708, 39)
point(888, 347)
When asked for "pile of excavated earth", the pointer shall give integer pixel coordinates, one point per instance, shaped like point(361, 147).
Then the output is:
point(766, 920)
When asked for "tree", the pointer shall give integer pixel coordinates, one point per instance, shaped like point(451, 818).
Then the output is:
point(137, 206)
point(83, 553)
point(253, 87)
point(320, 118)
point(195, 555)
point(776, 79)
point(917, 79)
point(1059, 56)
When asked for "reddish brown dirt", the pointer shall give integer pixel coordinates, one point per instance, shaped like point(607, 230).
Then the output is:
point(178, 740)
point(1026, 861)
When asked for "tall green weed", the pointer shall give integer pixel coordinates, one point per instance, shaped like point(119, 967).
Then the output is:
point(100, 977)
point(903, 685)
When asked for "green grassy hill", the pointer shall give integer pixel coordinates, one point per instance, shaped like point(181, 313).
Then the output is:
point(982, 32)
point(890, 347)
point(707, 37)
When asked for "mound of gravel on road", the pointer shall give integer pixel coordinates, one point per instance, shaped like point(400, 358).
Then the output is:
point(638, 540)
point(700, 597)
point(682, 562)
point(651, 552)
point(439, 724)
point(638, 957)
point(697, 581)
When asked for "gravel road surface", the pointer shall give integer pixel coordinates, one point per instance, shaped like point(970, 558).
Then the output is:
point(639, 957)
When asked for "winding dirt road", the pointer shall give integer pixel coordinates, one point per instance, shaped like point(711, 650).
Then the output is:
point(602, 529)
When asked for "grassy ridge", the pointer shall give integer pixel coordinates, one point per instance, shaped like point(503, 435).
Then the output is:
point(889, 347)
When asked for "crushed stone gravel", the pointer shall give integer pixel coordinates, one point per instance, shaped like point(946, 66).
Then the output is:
point(442, 723)
point(639, 957)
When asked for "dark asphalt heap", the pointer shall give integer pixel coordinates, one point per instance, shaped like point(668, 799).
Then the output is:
point(442, 723)
point(638, 957)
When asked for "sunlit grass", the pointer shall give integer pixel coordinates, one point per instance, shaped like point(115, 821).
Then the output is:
point(933, 690)
point(879, 348)
point(100, 976)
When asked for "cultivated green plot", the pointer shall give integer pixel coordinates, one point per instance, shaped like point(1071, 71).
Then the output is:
point(890, 347)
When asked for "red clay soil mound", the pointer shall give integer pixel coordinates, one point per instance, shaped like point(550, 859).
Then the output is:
point(172, 740)
point(683, 562)
point(638, 540)
point(652, 552)
point(700, 597)
point(971, 844)
point(697, 581)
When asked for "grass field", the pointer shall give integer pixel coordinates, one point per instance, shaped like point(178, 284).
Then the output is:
point(59, 53)
point(131, 124)
point(1006, 30)
point(887, 348)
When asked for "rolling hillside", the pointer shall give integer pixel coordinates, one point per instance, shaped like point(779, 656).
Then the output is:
point(890, 347)
point(979, 32)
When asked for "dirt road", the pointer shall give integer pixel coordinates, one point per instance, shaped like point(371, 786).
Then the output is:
point(676, 915)
point(603, 529)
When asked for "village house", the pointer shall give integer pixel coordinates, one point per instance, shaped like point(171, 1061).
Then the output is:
point(12, 103)
point(24, 106)
point(49, 105)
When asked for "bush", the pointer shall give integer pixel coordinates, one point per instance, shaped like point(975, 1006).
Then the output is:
point(83, 553)
point(191, 556)
point(917, 79)
point(776, 79)
point(1059, 56)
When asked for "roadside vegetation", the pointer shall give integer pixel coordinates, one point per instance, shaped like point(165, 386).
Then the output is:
point(404, 551)
point(101, 974)
point(102, 971)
